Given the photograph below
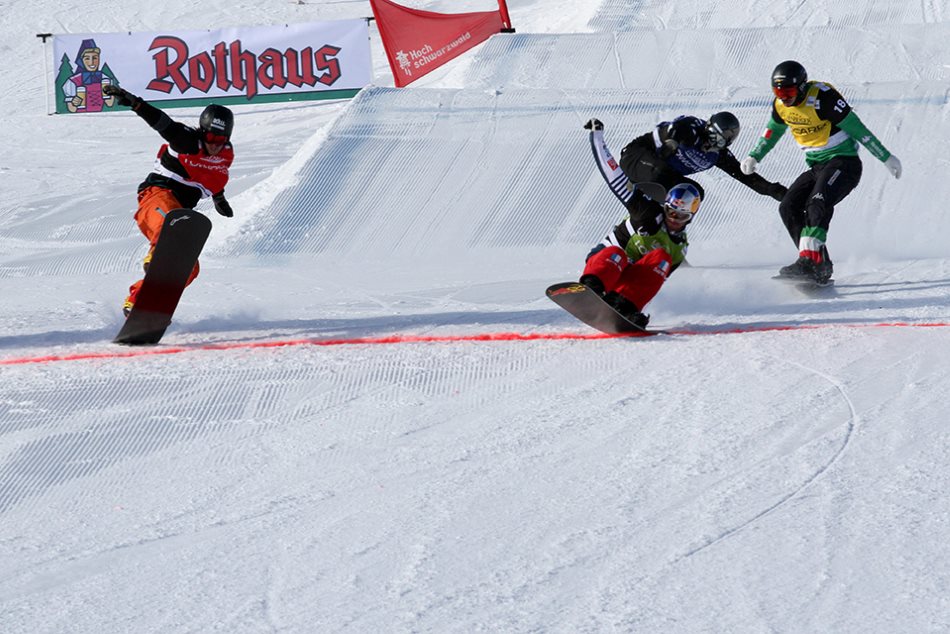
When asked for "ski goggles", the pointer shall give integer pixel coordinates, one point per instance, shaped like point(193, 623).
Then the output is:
point(714, 139)
point(215, 139)
point(786, 95)
point(678, 215)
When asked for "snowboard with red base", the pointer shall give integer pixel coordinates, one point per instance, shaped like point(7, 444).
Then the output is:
point(591, 309)
point(183, 235)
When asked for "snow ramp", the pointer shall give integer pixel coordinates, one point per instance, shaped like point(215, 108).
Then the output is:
point(505, 164)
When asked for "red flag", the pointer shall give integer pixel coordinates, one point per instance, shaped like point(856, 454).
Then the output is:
point(417, 42)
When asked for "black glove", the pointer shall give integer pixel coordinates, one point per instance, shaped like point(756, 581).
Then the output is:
point(685, 132)
point(593, 124)
point(122, 96)
point(221, 205)
point(777, 191)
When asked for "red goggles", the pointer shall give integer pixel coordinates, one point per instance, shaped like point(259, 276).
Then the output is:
point(788, 94)
point(215, 139)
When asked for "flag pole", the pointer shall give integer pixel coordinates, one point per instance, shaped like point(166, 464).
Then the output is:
point(46, 71)
point(505, 18)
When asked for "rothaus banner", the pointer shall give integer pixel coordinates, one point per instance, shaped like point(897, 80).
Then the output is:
point(318, 60)
point(417, 42)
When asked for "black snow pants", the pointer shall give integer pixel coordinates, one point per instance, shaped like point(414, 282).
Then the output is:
point(811, 199)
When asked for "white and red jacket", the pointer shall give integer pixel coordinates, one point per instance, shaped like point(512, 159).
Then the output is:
point(182, 165)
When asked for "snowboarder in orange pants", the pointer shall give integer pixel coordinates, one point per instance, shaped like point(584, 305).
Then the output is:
point(191, 165)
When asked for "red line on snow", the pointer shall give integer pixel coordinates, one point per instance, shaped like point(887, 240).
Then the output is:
point(396, 339)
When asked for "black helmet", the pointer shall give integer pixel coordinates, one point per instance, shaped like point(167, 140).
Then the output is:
point(216, 120)
point(721, 131)
point(788, 82)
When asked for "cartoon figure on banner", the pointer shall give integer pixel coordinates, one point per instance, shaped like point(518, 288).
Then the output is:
point(82, 90)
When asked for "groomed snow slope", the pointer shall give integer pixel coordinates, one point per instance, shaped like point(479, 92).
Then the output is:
point(366, 416)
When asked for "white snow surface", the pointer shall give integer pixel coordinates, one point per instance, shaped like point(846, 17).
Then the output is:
point(366, 416)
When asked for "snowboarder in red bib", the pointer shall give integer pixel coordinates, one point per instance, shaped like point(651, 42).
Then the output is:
point(191, 165)
point(634, 260)
point(828, 130)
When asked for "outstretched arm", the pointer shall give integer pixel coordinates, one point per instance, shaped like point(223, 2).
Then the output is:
point(853, 125)
point(730, 165)
point(177, 134)
point(618, 182)
point(773, 132)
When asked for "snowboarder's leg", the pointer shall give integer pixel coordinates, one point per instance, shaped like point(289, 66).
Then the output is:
point(134, 289)
point(833, 181)
point(193, 274)
point(642, 280)
point(179, 244)
point(154, 205)
point(641, 164)
point(605, 265)
point(792, 207)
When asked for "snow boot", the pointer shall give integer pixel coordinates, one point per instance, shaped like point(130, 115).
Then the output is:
point(148, 259)
point(825, 268)
point(802, 267)
point(628, 309)
point(593, 283)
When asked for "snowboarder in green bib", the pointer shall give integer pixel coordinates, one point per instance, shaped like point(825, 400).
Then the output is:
point(828, 130)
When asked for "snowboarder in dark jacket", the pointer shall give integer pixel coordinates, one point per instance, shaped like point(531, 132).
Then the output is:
point(191, 165)
point(630, 265)
point(828, 130)
point(676, 149)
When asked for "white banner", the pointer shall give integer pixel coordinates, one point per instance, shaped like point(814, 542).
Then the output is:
point(317, 60)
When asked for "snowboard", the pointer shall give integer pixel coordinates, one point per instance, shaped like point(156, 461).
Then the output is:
point(590, 308)
point(807, 286)
point(183, 235)
point(654, 191)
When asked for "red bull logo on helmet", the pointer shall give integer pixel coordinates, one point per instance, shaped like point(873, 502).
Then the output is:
point(691, 205)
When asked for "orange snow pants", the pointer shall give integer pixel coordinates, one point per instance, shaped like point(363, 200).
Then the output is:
point(154, 205)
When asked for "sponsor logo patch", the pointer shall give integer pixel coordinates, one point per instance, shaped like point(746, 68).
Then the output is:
point(574, 288)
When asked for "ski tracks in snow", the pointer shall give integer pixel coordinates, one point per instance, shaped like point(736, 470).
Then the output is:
point(845, 442)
